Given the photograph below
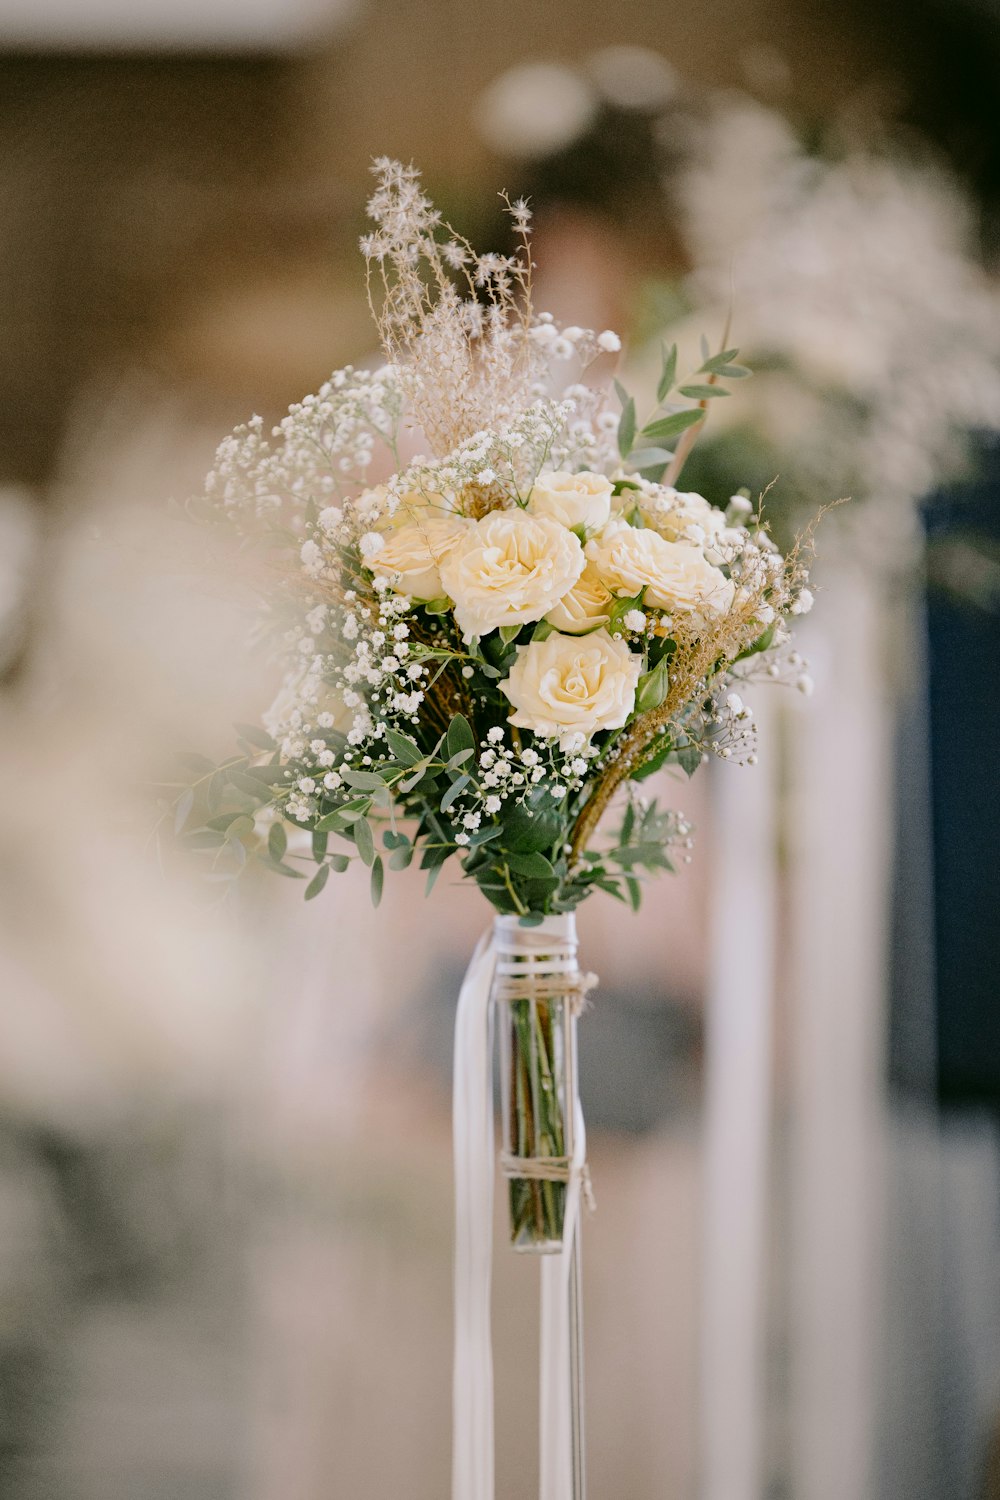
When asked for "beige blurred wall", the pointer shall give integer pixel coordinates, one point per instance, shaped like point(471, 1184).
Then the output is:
point(196, 216)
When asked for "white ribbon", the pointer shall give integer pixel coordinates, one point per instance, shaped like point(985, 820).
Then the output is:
point(554, 944)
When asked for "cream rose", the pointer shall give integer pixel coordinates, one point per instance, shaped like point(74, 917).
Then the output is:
point(674, 575)
point(573, 499)
point(412, 553)
point(585, 607)
point(686, 516)
point(564, 686)
point(409, 506)
point(508, 569)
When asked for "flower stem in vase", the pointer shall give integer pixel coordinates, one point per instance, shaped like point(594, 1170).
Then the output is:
point(535, 1119)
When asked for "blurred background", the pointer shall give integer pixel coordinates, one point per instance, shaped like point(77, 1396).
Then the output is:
point(225, 1203)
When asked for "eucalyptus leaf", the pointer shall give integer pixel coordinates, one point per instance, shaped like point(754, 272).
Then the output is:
point(403, 748)
point(365, 841)
point(702, 392)
point(716, 363)
point(365, 781)
point(459, 736)
point(256, 736)
point(378, 879)
point(665, 428)
point(277, 841)
point(669, 372)
point(454, 792)
point(416, 776)
point(534, 865)
point(183, 810)
point(645, 458)
point(626, 428)
point(318, 882)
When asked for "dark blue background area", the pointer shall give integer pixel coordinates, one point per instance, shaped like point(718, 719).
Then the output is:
point(964, 724)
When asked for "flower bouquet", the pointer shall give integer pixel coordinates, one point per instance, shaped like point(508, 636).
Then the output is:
point(483, 643)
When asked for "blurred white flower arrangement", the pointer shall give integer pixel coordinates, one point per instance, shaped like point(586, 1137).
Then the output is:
point(859, 296)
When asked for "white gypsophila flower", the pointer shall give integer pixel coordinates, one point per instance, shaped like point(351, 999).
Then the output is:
point(634, 620)
point(371, 544)
point(609, 341)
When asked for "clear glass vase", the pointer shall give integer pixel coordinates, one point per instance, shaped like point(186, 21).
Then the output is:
point(536, 992)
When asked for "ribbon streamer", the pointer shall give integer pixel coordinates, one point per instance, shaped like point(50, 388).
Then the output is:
point(549, 948)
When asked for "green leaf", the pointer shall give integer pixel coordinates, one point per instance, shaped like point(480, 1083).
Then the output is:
point(318, 882)
point(183, 810)
point(319, 843)
point(280, 868)
point(645, 458)
point(760, 644)
point(454, 792)
point(714, 365)
point(256, 736)
point(534, 865)
point(204, 838)
point(416, 776)
point(652, 688)
point(611, 888)
point(542, 631)
point(277, 841)
point(670, 427)
point(634, 892)
point(251, 786)
point(655, 762)
point(669, 372)
point(364, 839)
point(454, 761)
point(364, 781)
point(702, 392)
point(403, 748)
point(192, 761)
point(432, 876)
point(531, 825)
point(734, 372)
point(378, 879)
point(509, 633)
point(628, 824)
point(459, 736)
point(626, 427)
point(436, 606)
point(401, 857)
point(689, 758)
point(706, 352)
point(338, 863)
point(239, 828)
